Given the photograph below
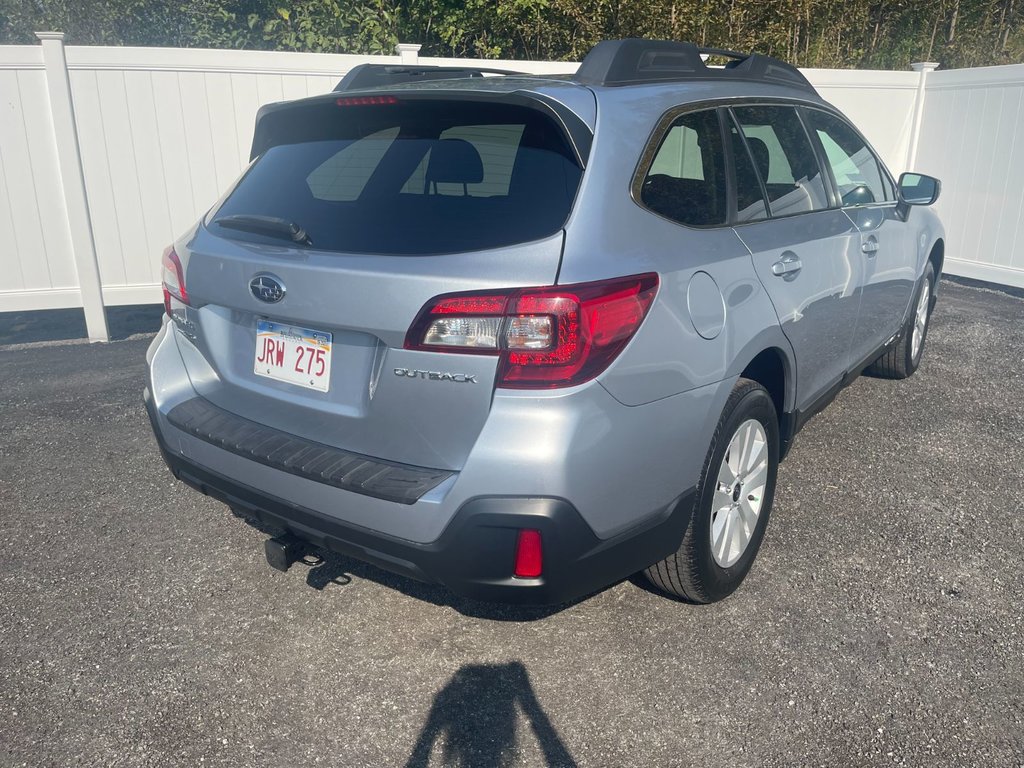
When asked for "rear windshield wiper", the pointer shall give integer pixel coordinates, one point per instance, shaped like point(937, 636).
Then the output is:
point(266, 225)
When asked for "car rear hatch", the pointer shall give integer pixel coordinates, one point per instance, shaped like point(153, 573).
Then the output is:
point(301, 285)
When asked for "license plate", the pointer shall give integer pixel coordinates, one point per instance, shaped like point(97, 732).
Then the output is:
point(300, 356)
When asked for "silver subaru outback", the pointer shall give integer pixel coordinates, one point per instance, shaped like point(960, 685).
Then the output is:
point(527, 336)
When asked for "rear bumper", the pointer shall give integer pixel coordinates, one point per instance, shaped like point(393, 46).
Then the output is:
point(474, 555)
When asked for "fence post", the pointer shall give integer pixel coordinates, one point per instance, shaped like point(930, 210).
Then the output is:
point(69, 157)
point(922, 67)
point(409, 52)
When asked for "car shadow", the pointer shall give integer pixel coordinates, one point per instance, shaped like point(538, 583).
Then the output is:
point(474, 720)
point(329, 569)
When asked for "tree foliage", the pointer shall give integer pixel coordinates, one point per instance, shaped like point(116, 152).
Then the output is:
point(885, 34)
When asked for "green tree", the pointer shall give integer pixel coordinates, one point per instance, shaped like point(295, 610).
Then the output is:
point(813, 33)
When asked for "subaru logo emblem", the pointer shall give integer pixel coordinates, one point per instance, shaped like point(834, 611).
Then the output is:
point(266, 287)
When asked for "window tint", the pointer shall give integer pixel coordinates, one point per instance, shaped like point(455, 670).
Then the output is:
point(750, 205)
point(856, 171)
point(417, 177)
point(686, 180)
point(784, 159)
point(496, 144)
point(343, 175)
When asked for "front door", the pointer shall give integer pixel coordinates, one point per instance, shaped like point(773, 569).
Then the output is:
point(883, 250)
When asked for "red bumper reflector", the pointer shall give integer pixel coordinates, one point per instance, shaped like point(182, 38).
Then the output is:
point(529, 555)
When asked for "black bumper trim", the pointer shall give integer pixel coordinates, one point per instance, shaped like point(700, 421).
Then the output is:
point(402, 483)
point(474, 555)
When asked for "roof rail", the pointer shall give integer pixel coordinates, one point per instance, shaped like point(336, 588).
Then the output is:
point(383, 75)
point(634, 61)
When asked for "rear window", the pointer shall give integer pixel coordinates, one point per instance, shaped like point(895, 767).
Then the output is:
point(417, 177)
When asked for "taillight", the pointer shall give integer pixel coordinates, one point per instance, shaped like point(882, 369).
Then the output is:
point(173, 279)
point(557, 336)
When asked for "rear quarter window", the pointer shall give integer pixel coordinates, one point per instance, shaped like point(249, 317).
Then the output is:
point(686, 178)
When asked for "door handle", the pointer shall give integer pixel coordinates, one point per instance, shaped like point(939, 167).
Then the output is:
point(787, 266)
point(870, 247)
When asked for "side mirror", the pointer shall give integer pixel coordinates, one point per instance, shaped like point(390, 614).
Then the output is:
point(918, 189)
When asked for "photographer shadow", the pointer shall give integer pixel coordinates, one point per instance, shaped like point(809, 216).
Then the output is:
point(473, 721)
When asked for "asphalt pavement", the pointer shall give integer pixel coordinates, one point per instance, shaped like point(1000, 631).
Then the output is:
point(882, 623)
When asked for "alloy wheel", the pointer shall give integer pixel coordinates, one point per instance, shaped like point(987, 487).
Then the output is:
point(920, 321)
point(739, 492)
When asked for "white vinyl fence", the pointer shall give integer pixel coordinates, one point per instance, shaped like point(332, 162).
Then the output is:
point(106, 154)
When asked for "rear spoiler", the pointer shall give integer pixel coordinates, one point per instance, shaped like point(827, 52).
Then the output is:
point(284, 116)
point(372, 76)
point(384, 75)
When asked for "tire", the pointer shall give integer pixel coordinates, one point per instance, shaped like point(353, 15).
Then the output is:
point(903, 359)
point(695, 572)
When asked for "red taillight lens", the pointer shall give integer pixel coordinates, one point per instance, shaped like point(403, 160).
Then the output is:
point(173, 279)
point(593, 323)
point(550, 337)
point(529, 555)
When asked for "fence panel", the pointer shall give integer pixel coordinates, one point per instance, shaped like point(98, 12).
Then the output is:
point(163, 132)
point(35, 259)
point(881, 104)
point(971, 140)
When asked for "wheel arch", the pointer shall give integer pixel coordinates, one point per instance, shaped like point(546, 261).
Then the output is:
point(937, 256)
point(769, 368)
point(772, 366)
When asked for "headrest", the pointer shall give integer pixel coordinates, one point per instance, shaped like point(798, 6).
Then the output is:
point(455, 161)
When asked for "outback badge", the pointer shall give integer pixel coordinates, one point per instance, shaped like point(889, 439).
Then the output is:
point(458, 378)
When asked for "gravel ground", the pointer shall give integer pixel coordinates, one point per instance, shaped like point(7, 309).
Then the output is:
point(881, 625)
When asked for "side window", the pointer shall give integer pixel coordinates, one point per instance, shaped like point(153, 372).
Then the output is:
point(783, 158)
point(750, 204)
point(686, 180)
point(858, 176)
point(344, 174)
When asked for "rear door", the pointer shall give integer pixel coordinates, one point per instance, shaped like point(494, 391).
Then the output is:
point(359, 214)
point(800, 245)
point(885, 250)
